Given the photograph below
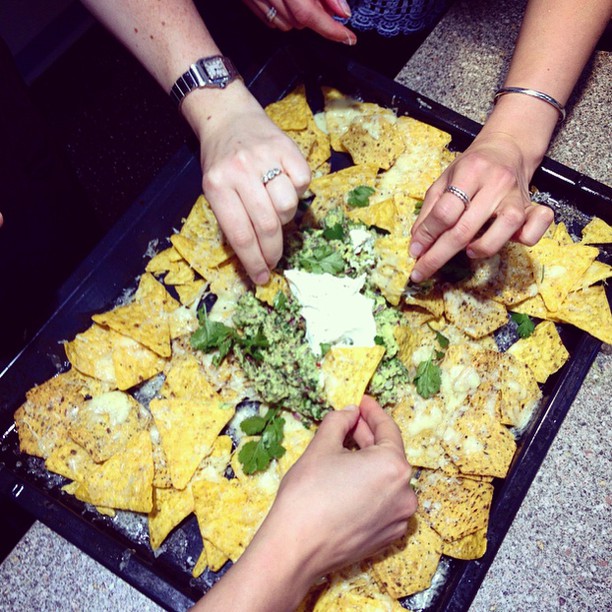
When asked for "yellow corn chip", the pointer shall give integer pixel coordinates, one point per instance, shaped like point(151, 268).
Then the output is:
point(373, 140)
point(229, 280)
point(202, 255)
point(407, 341)
point(42, 420)
point(454, 507)
point(267, 293)
point(230, 513)
point(408, 565)
point(432, 301)
point(561, 235)
point(91, 352)
point(588, 310)
point(382, 214)
point(163, 261)
point(421, 423)
point(347, 371)
point(597, 271)
point(213, 466)
point(111, 485)
point(296, 439)
point(106, 423)
point(394, 266)
point(200, 565)
point(543, 351)
point(132, 362)
point(189, 293)
point(470, 312)
point(292, 112)
point(179, 274)
point(161, 473)
point(69, 460)
point(558, 268)
point(145, 319)
point(170, 507)
point(470, 547)
point(597, 231)
point(476, 441)
point(201, 223)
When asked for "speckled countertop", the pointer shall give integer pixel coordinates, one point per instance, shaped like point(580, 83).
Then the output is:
point(556, 555)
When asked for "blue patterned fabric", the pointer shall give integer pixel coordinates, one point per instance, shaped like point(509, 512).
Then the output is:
point(395, 17)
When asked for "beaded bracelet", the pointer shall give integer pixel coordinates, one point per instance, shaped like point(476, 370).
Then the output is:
point(534, 93)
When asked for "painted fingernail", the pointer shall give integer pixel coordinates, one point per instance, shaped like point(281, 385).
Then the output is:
point(344, 7)
point(262, 278)
point(416, 248)
point(416, 276)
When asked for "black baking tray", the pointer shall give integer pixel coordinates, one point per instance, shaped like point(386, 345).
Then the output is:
point(116, 262)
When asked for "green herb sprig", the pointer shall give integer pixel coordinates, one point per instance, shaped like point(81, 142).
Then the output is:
point(324, 258)
point(360, 196)
point(256, 455)
point(525, 325)
point(428, 377)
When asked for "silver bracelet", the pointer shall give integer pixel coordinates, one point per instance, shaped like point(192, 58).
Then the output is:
point(534, 93)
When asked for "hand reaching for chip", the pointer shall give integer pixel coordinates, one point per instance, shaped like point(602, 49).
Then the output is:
point(488, 182)
point(334, 507)
point(253, 174)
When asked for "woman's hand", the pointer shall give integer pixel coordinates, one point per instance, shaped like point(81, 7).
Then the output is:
point(494, 174)
point(239, 145)
point(317, 15)
point(334, 507)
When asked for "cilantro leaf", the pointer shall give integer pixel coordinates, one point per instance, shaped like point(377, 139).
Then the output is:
point(213, 335)
point(379, 340)
point(418, 206)
point(428, 378)
point(280, 301)
point(360, 196)
point(334, 232)
point(256, 455)
point(525, 324)
point(323, 258)
point(443, 341)
point(251, 344)
point(325, 346)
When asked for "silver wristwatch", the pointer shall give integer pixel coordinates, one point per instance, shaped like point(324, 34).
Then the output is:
point(216, 71)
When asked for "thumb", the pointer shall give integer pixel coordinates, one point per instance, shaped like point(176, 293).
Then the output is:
point(334, 428)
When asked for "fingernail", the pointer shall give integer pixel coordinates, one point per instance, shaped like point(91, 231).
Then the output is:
point(346, 9)
point(350, 40)
point(471, 254)
point(416, 276)
point(416, 248)
point(350, 407)
point(262, 278)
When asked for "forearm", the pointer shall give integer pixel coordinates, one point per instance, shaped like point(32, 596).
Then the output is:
point(269, 577)
point(556, 40)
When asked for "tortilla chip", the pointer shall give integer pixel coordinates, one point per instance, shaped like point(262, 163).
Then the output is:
point(588, 310)
point(267, 293)
point(432, 300)
point(189, 293)
point(296, 439)
point(125, 481)
point(179, 274)
point(214, 466)
point(231, 514)
point(69, 460)
point(42, 420)
point(597, 231)
point(229, 280)
point(394, 266)
point(161, 473)
point(454, 507)
point(347, 370)
point(408, 565)
point(292, 111)
point(543, 351)
point(201, 223)
point(470, 312)
point(105, 424)
point(164, 261)
point(200, 565)
point(558, 268)
point(132, 362)
point(407, 341)
point(516, 280)
point(372, 139)
point(91, 352)
point(170, 507)
point(476, 441)
point(422, 423)
point(145, 318)
point(202, 255)
point(597, 271)
point(470, 547)
point(382, 214)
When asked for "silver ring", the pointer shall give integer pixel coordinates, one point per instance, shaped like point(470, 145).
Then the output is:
point(460, 194)
point(270, 174)
point(271, 14)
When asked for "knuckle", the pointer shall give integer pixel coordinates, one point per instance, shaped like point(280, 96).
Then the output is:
point(268, 225)
point(462, 232)
point(241, 238)
point(444, 212)
point(512, 217)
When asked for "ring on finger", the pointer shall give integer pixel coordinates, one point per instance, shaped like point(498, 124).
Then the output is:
point(464, 197)
point(270, 175)
point(271, 14)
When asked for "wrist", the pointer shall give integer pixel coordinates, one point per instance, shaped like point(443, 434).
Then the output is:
point(528, 122)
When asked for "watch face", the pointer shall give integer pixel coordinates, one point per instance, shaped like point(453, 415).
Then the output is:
point(216, 69)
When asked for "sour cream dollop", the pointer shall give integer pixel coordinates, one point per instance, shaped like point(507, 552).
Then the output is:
point(335, 311)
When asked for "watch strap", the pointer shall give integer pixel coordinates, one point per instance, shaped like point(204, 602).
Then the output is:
point(216, 72)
